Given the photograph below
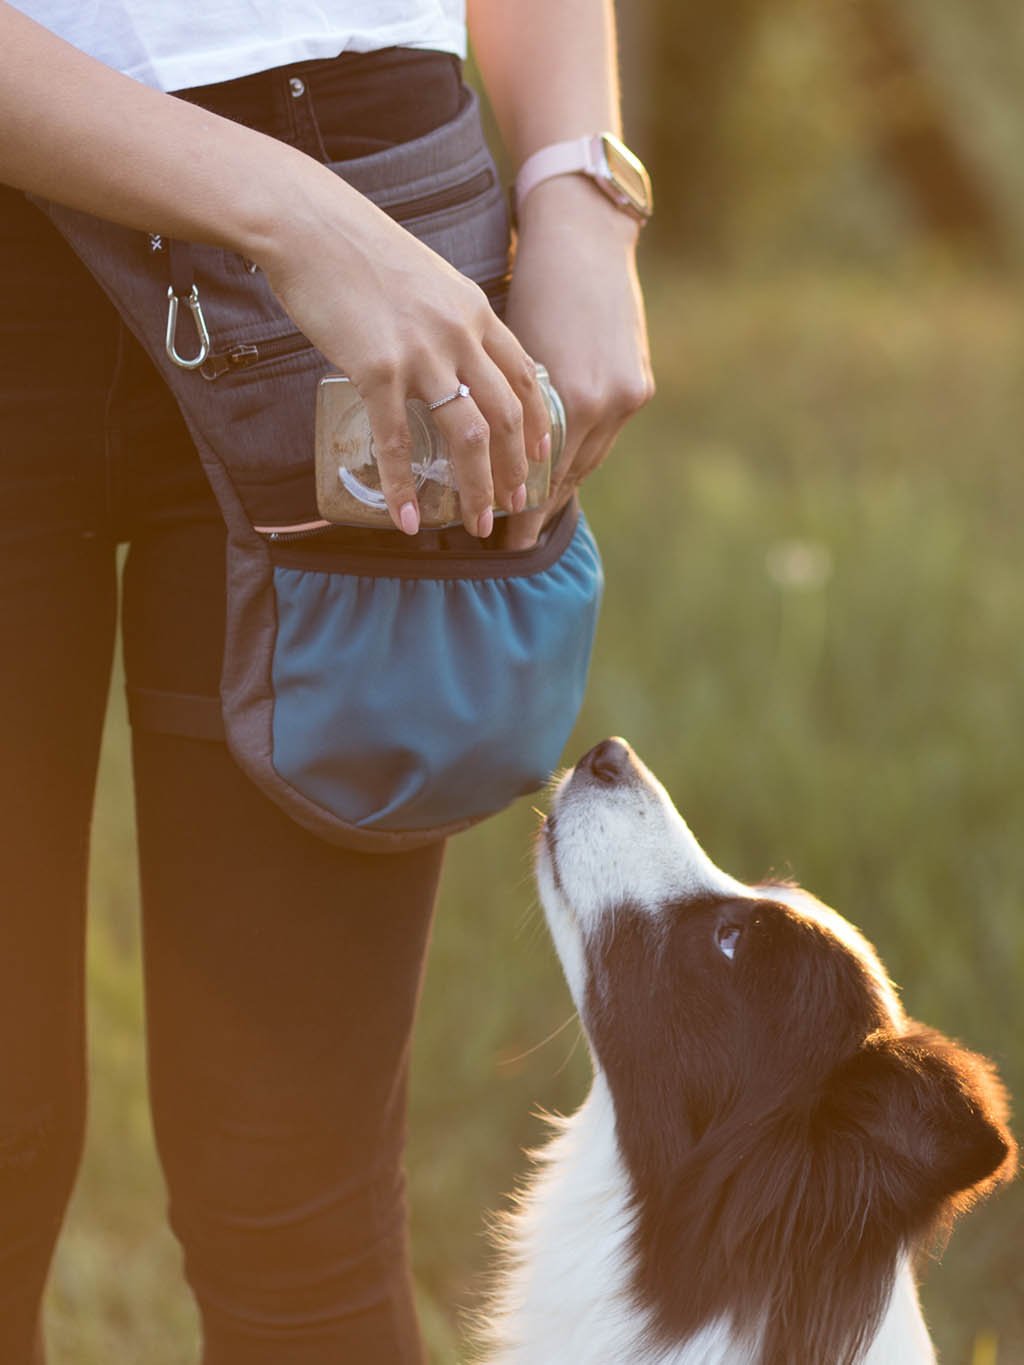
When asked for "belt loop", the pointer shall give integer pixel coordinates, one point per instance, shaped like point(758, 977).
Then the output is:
point(303, 114)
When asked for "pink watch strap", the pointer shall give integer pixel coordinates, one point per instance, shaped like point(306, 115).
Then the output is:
point(560, 158)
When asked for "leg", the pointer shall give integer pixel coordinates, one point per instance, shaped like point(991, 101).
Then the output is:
point(57, 611)
point(57, 603)
point(282, 976)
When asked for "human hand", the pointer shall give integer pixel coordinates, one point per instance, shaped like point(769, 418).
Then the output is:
point(402, 323)
point(575, 305)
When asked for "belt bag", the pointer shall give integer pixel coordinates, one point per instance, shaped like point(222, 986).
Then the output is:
point(385, 691)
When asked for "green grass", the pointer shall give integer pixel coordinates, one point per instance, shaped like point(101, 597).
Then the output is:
point(812, 632)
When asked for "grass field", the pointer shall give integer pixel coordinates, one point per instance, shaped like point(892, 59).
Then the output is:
point(813, 631)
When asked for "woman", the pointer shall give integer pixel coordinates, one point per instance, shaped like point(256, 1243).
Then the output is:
point(281, 972)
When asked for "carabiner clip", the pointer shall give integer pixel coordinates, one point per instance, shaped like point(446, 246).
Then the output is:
point(192, 299)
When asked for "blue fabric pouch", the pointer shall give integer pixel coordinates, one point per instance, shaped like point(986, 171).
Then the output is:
point(384, 690)
point(417, 691)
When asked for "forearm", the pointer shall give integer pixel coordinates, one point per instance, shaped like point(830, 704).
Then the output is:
point(80, 133)
point(382, 307)
point(551, 73)
point(549, 67)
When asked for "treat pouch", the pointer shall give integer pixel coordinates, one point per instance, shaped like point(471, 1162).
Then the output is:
point(385, 691)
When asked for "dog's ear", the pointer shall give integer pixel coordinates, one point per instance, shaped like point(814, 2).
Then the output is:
point(806, 1209)
point(933, 1116)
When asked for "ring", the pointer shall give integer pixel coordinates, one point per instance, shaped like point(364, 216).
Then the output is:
point(461, 392)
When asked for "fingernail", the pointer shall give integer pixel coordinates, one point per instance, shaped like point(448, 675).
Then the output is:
point(486, 524)
point(544, 447)
point(519, 498)
point(409, 516)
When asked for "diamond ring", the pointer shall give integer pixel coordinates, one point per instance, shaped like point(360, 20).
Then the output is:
point(461, 392)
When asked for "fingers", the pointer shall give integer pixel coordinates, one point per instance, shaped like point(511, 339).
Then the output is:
point(592, 429)
point(484, 435)
point(581, 457)
point(468, 436)
point(493, 432)
point(594, 417)
point(488, 456)
point(502, 411)
point(392, 448)
point(483, 431)
point(523, 530)
point(521, 374)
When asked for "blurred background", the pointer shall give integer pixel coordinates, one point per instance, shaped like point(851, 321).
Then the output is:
point(812, 630)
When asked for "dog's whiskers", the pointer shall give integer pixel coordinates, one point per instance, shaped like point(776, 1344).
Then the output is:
point(572, 1051)
point(512, 1061)
point(531, 921)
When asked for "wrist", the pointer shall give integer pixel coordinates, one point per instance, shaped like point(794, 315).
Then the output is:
point(298, 211)
point(574, 203)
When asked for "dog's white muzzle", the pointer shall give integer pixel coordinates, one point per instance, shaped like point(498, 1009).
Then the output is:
point(614, 838)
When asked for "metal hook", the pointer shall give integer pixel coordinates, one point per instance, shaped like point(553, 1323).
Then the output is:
point(192, 299)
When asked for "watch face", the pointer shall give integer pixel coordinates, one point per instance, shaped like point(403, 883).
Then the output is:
point(628, 175)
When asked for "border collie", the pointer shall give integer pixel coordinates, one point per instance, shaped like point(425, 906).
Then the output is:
point(768, 1141)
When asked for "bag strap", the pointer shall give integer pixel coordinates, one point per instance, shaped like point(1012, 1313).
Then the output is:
point(180, 268)
point(175, 713)
point(182, 288)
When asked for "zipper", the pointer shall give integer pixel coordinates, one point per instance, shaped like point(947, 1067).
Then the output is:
point(242, 356)
point(441, 199)
point(246, 354)
point(253, 353)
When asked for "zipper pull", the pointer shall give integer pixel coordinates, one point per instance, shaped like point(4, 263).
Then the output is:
point(235, 359)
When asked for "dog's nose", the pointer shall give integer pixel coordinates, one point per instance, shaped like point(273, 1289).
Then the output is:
point(607, 761)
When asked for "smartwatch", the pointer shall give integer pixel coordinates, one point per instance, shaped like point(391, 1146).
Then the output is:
point(608, 162)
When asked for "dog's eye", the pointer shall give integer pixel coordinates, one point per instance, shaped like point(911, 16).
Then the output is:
point(727, 936)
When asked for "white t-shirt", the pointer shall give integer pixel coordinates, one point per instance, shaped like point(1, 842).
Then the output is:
point(179, 43)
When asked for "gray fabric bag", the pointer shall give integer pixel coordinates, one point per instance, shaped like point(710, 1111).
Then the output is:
point(384, 692)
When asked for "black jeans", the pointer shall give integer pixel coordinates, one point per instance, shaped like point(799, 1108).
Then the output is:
point(281, 973)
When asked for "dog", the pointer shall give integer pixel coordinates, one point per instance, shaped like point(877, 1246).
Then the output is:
point(769, 1141)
